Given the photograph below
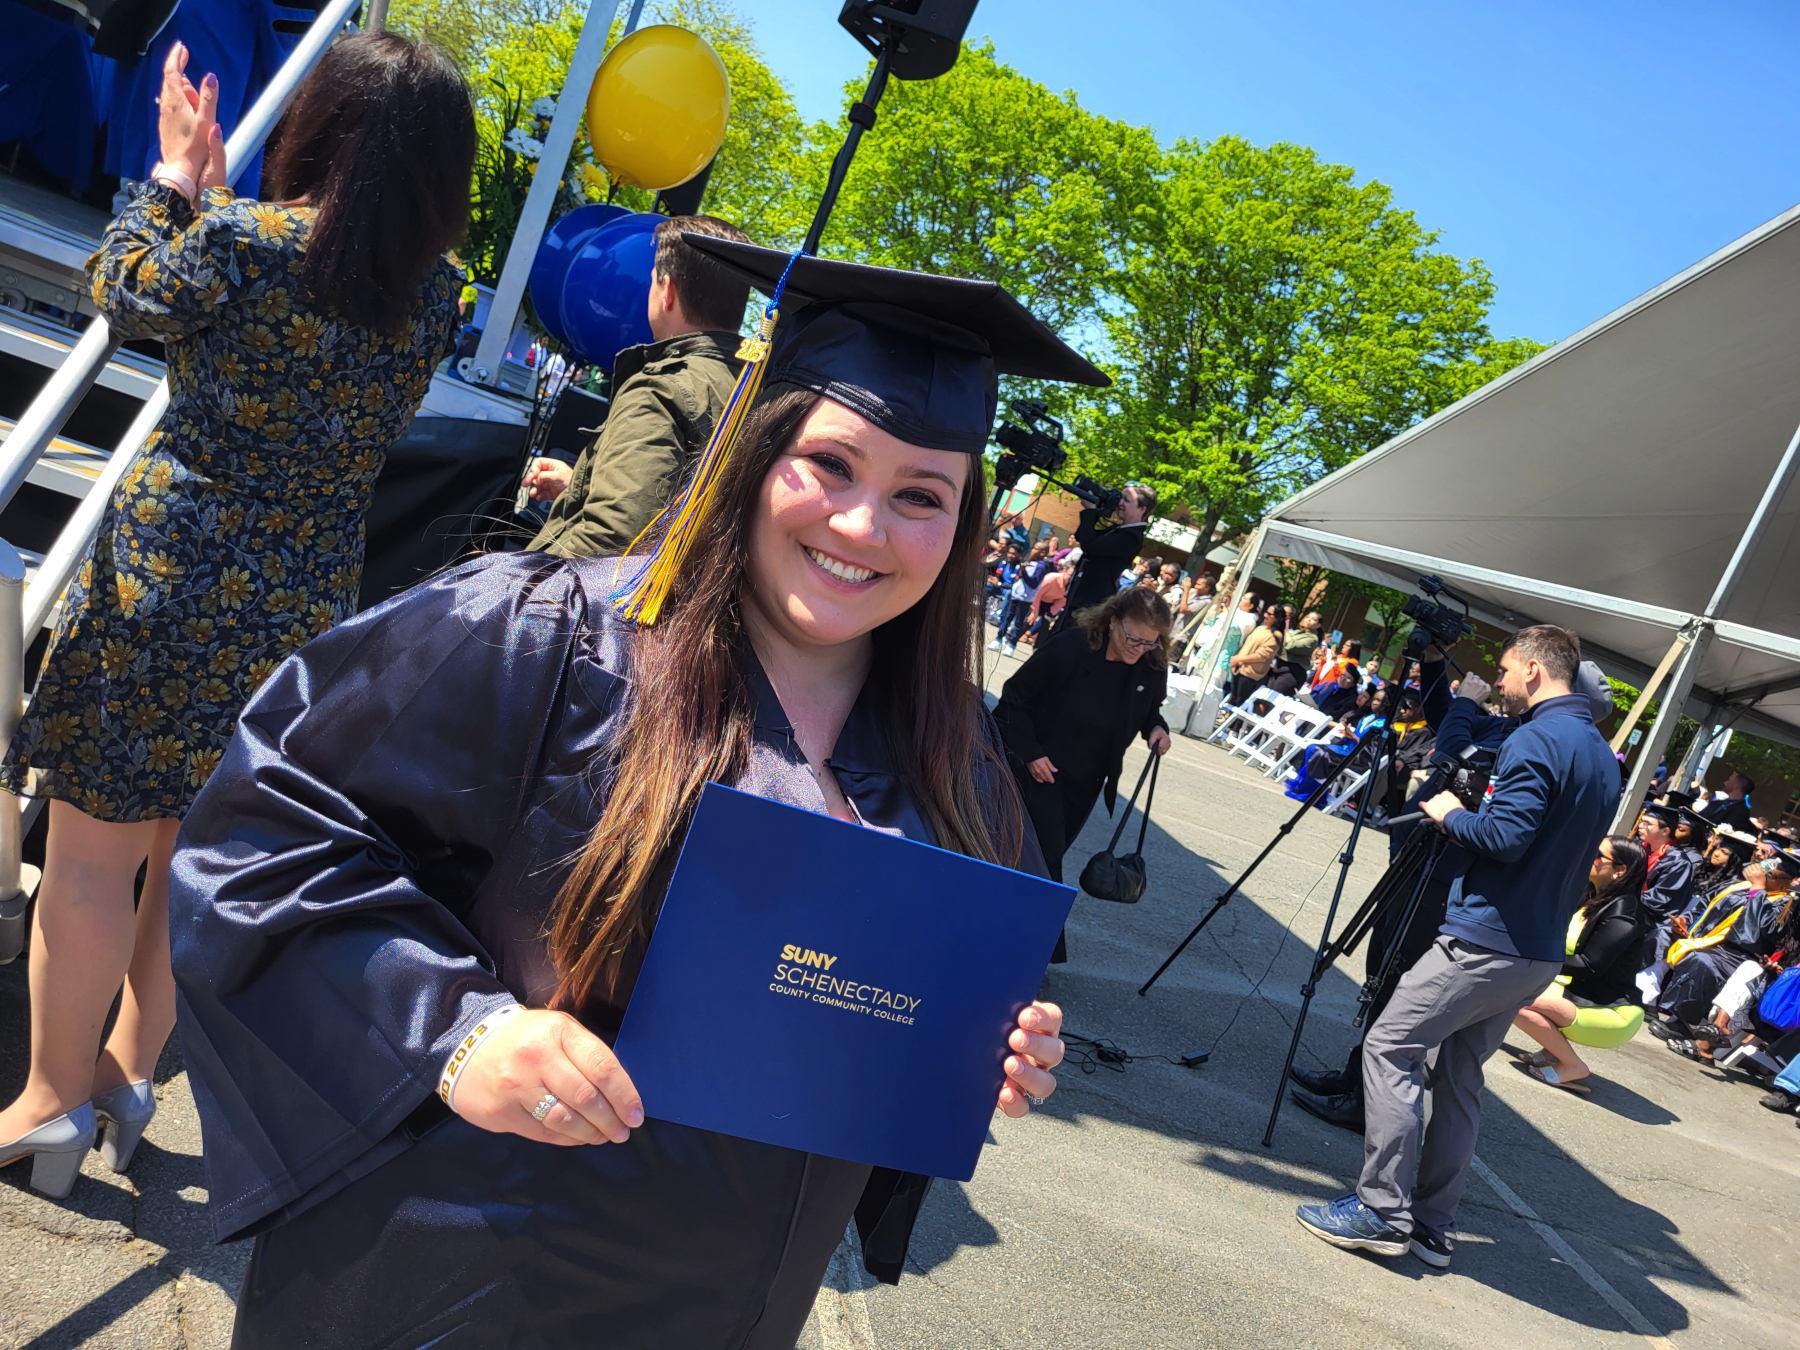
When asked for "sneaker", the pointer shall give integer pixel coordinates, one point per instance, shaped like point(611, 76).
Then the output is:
point(1324, 1082)
point(994, 646)
point(1348, 1223)
point(1781, 1100)
point(1432, 1248)
point(1007, 650)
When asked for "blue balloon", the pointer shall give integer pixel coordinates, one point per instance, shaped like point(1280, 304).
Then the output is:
point(550, 267)
point(607, 290)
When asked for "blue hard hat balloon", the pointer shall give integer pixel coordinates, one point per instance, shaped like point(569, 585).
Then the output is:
point(550, 267)
point(607, 290)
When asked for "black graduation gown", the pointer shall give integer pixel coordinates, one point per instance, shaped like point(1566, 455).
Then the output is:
point(1693, 982)
point(367, 875)
point(1669, 888)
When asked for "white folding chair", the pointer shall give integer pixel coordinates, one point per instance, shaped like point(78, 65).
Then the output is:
point(1238, 716)
point(1296, 727)
point(1347, 795)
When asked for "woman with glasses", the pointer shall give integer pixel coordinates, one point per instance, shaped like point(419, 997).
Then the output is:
point(1069, 713)
point(1606, 939)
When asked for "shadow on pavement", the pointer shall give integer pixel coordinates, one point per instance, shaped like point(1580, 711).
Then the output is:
point(1205, 1002)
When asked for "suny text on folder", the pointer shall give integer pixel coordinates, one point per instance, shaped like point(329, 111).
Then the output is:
point(835, 989)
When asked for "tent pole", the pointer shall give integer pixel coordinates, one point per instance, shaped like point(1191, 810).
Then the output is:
point(540, 198)
point(1648, 692)
point(1668, 716)
point(1210, 693)
point(1779, 482)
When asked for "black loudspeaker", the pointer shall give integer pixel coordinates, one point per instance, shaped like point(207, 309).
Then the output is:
point(923, 37)
point(684, 198)
point(578, 416)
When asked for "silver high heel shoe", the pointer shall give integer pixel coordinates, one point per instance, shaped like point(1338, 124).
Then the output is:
point(123, 1112)
point(56, 1148)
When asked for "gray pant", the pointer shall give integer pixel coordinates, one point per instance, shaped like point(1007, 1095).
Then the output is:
point(1422, 1077)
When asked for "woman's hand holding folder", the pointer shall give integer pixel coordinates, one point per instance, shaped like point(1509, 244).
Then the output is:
point(1038, 1049)
point(537, 1055)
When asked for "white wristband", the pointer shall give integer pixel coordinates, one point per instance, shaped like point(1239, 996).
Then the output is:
point(176, 179)
point(459, 1057)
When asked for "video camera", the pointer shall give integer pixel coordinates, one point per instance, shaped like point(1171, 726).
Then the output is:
point(1037, 446)
point(1435, 625)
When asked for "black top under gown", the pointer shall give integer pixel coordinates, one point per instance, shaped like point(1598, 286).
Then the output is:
point(367, 875)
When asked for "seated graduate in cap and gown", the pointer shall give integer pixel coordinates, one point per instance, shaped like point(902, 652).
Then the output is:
point(1669, 888)
point(1753, 920)
point(409, 907)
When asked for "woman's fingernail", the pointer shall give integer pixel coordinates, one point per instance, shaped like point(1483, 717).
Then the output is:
point(634, 1117)
point(212, 82)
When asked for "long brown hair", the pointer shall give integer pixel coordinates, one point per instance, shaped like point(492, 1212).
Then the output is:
point(1134, 602)
point(380, 141)
point(690, 717)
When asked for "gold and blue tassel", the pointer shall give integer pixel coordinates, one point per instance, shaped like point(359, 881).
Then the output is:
point(642, 600)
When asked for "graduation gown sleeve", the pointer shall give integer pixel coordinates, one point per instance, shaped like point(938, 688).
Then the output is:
point(320, 889)
point(1670, 886)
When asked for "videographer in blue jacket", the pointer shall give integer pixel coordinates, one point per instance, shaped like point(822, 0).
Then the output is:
point(1335, 1096)
point(1553, 794)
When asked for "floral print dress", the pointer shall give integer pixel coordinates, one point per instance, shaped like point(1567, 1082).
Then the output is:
point(237, 534)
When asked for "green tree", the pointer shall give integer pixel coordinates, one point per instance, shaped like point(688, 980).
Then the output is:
point(517, 56)
point(984, 173)
point(466, 29)
point(1274, 320)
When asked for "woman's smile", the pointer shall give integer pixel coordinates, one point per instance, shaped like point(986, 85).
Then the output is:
point(840, 570)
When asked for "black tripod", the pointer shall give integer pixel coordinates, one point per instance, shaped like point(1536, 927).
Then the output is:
point(1406, 876)
point(1386, 728)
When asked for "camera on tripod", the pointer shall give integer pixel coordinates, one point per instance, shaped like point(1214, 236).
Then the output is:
point(1037, 446)
point(1435, 625)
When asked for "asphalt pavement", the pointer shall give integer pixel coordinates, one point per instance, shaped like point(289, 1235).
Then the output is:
point(1138, 1207)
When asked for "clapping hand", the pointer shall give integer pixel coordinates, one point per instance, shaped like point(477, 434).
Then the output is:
point(188, 123)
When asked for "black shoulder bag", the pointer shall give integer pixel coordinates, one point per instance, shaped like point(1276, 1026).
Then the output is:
point(1122, 880)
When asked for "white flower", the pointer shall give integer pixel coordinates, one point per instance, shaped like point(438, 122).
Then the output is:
point(528, 146)
point(544, 107)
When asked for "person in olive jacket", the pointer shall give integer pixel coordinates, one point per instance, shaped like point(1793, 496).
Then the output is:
point(1068, 714)
point(667, 397)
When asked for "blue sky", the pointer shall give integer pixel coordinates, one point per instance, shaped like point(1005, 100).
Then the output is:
point(1584, 150)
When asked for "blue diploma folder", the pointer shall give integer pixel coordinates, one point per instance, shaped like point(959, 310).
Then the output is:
point(832, 988)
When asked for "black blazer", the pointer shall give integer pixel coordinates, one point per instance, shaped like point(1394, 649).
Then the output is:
point(1034, 705)
point(1104, 554)
point(1607, 955)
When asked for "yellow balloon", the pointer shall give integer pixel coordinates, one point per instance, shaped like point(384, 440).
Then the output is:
point(657, 112)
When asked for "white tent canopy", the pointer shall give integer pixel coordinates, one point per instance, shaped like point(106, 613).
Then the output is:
point(1628, 483)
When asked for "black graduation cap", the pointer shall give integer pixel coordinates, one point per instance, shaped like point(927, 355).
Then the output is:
point(915, 353)
point(1785, 861)
point(1699, 823)
point(918, 355)
point(1741, 845)
point(1668, 815)
point(1678, 798)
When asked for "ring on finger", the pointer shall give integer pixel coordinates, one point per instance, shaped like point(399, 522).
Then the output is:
point(544, 1107)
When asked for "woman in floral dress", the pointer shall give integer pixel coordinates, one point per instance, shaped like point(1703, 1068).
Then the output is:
point(301, 336)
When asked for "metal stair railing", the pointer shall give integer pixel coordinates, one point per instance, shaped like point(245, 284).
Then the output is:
point(22, 611)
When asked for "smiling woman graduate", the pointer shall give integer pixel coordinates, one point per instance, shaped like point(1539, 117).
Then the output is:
point(409, 908)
